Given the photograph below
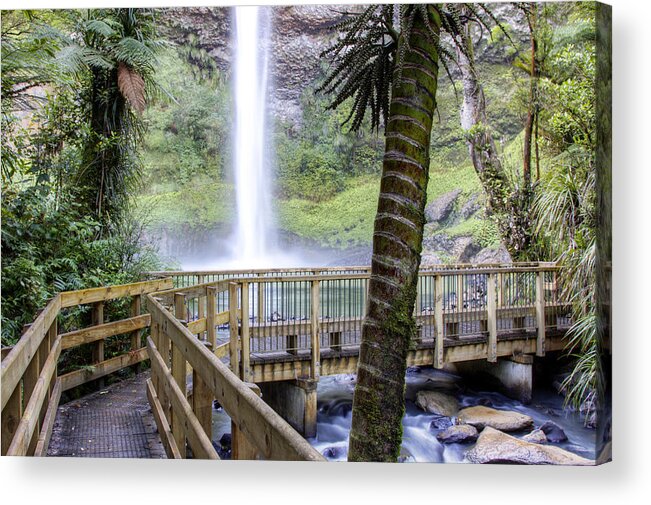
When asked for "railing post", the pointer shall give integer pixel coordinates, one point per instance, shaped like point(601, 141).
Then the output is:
point(51, 338)
point(233, 327)
point(202, 403)
point(540, 312)
point(246, 348)
point(438, 321)
point(491, 313)
point(314, 331)
point(30, 377)
point(178, 373)
point(201, 311)
point(459, 294)
point(211, 313)
point(261, 302)
point(164, 350)
point(43, 352)
point(136, 303)
point(241, 447)
point(97, 317)
point(11, 415)
point(155, 336)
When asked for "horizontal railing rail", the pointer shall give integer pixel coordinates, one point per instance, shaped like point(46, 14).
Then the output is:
point(31, 385)
point(268, 314)
point(245, 317)
point(257, 431)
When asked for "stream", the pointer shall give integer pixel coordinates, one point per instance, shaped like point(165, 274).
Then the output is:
point(335, 399)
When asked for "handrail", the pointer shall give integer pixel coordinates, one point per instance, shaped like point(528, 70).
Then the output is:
point(302, 313)
point(253, 271)
point(31, 387)
point(308, 308)
point(255, 424)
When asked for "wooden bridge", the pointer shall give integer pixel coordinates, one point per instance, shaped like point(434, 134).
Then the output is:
point(235, 336)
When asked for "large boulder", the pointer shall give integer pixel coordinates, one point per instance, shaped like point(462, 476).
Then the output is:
point(437, 403)
point(493, 446)
point(535, 437)
point(492, 255)
point(504, 420)
point(441, 208)
point(458, 434)
point(553, 432)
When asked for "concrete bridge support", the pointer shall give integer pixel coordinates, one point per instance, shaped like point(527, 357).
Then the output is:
point(515, 374)
point(294, 401)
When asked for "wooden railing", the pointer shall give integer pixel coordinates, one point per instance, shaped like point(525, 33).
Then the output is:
point(248, 318)
point(241, 318)
point(257, 431)
point(31, 387)
point(186, 278)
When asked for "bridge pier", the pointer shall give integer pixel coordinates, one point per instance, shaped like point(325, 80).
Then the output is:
point(515, 374)
point(294, 401)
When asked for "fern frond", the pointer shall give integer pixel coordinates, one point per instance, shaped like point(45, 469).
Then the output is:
point(132, 87)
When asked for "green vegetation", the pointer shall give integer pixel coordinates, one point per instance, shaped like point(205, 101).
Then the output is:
point(106, 131)
point(70, 133)
point(345, 220)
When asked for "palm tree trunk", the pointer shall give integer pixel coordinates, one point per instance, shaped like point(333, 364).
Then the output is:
point(389, 327)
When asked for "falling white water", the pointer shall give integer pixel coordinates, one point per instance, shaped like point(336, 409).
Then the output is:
point(252, 182)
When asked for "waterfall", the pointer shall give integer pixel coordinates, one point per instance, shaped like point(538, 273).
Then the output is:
point(252, 238)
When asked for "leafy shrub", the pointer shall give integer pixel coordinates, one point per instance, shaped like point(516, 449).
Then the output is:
point(46, 249)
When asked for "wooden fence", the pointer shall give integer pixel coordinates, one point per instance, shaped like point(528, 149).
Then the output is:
point(31, 386)
point(257, 431)
point(249, 318)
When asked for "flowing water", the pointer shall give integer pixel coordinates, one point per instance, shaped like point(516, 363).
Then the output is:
point(335, 397)
point(252, 181)
point(335, 401)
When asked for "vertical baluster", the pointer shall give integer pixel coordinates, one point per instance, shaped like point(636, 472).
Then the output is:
point(540, 313)
point(211, 313)
point(135, 335)
point(314, 327)
point(246, 357)
point(438, 321)
point(491, 309)
point(233, 326)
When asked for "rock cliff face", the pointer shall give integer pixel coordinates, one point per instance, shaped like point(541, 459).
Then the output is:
point(299, 33)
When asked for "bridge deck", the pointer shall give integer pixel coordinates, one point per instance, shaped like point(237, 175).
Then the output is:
point(115, 422)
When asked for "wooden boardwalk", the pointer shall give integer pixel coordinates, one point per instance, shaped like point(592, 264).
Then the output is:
point(235, 333)
point(114, 422)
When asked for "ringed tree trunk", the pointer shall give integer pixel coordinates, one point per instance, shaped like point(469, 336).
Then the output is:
point(508, 204)
point(388, 328)
point(531, 111)
point(479, 138)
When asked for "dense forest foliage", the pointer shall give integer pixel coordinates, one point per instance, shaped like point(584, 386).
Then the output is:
point(110, 132)
point(74, 85)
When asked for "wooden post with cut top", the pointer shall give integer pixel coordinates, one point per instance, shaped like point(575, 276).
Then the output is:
point(136, 303)
point(241, 447)
point(540, 313)
point(245, 336)
point(438, 321)
point(179, 372)
point(315, 357)
point(211, 313)
point(97, 318)
point(233, 327)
